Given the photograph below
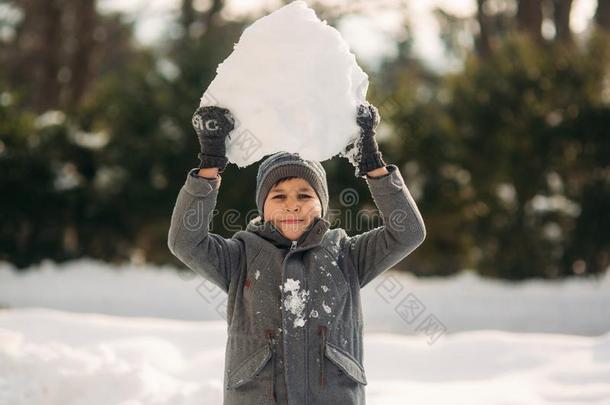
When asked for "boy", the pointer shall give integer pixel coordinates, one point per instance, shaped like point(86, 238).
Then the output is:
point(294, 312)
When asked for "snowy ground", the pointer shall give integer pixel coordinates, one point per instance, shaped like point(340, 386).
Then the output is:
point(86, 333)
point(460, 303)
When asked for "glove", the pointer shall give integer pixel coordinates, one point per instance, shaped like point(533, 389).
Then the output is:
point(212, 125)
point(370, 156)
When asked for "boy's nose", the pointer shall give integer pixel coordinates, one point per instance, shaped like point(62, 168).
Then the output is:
point(292, 206)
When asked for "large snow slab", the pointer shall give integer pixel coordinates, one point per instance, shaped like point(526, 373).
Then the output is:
point(293, 85)
point(55, 358)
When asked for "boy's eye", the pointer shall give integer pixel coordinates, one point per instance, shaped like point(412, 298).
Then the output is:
point(283, 196)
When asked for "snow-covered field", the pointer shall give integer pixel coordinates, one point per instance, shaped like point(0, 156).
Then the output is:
point(88, 333)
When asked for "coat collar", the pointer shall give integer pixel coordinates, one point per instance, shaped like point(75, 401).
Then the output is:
point(311, 237)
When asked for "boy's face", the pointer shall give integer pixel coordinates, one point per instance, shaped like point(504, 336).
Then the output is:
point(291, 206)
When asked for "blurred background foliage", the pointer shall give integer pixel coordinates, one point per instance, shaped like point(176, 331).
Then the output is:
point(508, 156)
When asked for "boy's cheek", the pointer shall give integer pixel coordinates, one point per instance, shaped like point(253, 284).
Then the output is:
point(269, 213)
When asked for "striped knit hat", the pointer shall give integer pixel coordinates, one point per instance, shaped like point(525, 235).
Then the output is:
point(284, 164)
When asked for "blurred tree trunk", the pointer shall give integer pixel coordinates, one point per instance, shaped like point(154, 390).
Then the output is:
point(217, 6)
point(529, 18)
point(196, 24)
point(83, 22)
point(42, 40)
point(561, 17)
point(483, 41)
point(602, 15)
point(187, 16)
point(51, 55)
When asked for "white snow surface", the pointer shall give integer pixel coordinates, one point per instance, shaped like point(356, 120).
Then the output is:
point(292, 84)
point(462, 302)
point(108, 340)
point(48, 357)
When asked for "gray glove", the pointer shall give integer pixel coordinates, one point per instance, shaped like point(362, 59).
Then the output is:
point(370, 156)
point(212, 125)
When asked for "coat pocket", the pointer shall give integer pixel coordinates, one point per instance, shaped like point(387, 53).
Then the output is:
point(346, 363)
point(249, 368)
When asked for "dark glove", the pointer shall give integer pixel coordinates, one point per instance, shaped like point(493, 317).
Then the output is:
point(212, 125)
point(370, 156)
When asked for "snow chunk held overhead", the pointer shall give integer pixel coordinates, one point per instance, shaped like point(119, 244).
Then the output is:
point(292, 84)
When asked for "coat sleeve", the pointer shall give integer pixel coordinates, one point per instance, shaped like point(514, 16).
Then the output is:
point(208, 254)
point(403, 228)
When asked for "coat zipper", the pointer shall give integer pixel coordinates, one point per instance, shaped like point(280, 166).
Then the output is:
point(306, 286)
point(271, 333)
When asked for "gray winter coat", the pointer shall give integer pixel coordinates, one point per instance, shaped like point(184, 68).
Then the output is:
point(294, 313)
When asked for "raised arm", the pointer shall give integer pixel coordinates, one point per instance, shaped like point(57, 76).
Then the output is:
point(379, 249)
point(210, 255)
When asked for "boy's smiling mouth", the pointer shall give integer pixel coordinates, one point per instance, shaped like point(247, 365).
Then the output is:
point(291, 221)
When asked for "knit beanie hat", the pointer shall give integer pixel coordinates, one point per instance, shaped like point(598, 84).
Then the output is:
point(284, 164)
